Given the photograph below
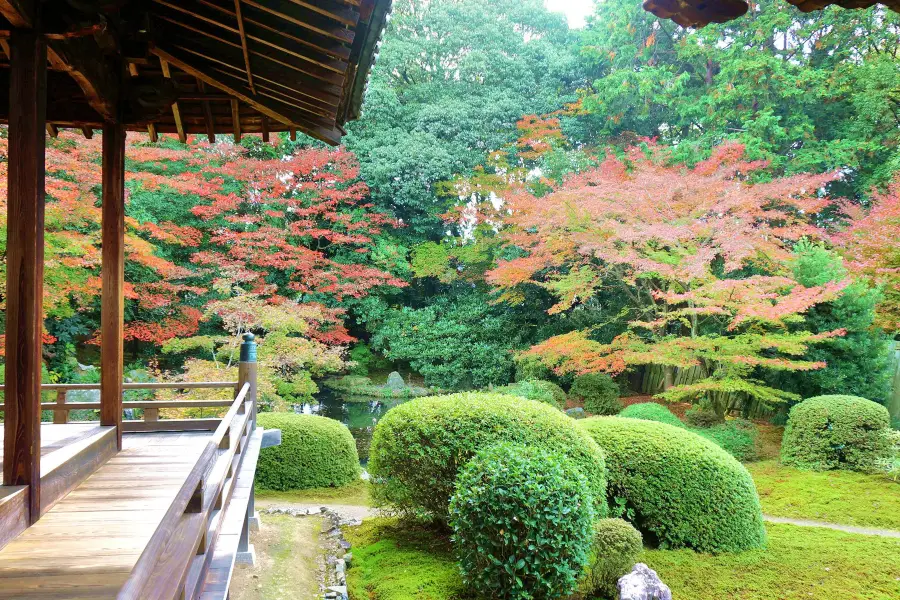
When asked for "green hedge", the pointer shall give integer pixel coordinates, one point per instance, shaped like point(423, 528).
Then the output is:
point(536, 389)
point(678, 488)
point(836, 432)
point(738, 437)
point(522, 519)
point(615, 550)
point(598, 392)
point(418, 447)
point(315, 452)
point(651, 411)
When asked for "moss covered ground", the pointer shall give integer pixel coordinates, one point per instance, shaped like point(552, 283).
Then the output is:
point(799, 563)
point(395, 563)
point(842, 497)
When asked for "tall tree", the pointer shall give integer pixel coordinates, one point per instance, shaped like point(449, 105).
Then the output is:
point(701, 255)
point(452, 79)
point(814, 92)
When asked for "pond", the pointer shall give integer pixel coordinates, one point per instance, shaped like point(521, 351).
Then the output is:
point(359, 414)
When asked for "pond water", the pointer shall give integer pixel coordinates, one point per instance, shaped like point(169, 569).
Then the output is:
point(359, 414)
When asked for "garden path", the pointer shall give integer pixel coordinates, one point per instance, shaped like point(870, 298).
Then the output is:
point(847, 528)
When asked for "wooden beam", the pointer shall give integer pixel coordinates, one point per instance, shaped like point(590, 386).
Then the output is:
point(345, 17)
point(96, 75)
point(240, 22)
point(151, 129)
point(176, 111)
point(293, 134)
point(207, 115)
point(52, 131)
point(330, 136)
point(25, 266)
point(236, 120)
point(133, 69)
point(265, 129)
point(112, 311)
point(88, 132)
point(19, 13)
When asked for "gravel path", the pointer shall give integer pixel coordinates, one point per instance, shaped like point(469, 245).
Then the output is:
point(848, 528)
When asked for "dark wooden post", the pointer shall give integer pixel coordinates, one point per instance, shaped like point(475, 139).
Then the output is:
point(25, 265)
point(112, 322)
point(247, 371)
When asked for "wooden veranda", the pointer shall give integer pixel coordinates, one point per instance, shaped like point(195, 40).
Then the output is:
point(148, 508)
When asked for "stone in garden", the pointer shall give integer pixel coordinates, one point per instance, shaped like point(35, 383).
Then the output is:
point(643, 584)
point(576, 413)
point(395, 381)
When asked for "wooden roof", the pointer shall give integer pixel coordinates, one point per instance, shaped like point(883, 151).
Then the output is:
point(202, 66)
point(697, 13)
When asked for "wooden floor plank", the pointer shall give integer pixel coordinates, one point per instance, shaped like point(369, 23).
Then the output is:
point(100, 529)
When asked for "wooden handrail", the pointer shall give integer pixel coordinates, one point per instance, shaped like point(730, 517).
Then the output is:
point(166, 385)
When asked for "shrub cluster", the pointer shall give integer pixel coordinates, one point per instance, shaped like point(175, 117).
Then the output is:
point(651, 411)
point(677, 487)
point(598, 392)
point(314, 452)
point(522, 519)
point(614, 551)
point(536, 389)
point(738, 437)
point(701, 417)
point(418, 447)
point(836, 432)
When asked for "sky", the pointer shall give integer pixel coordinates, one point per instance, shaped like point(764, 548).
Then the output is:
point(575, 10)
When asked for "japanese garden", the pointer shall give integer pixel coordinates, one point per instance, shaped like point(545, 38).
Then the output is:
point(606, 309)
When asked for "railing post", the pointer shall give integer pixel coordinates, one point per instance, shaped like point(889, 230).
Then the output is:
point(247, 372)
point(60, 414)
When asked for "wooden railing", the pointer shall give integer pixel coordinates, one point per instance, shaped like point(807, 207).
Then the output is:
point(150, 415)
point(178, 555)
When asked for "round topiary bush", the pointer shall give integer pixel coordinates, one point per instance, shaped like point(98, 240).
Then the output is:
point(598, 392)
point(314, 452)
point(614, 551)
point(418, 447)
point(521, 519)
point(536, 389)
point(651, 411)
point(702, 417)
point(836, 432)
point(678, 488)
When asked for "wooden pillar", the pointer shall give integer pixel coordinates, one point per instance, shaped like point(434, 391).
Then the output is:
point(112, 309)
point(25, 265)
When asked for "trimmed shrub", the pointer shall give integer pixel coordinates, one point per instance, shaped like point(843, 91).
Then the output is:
point(615, 550)
point(678, 488)
point(536, 389)
point(738, 437)
point(315, 452)
point(836, 432)
point(418, 447)
point(598, 392)
point(521, 519)
point(650, 411)
point(531, 368)
point(701, 417)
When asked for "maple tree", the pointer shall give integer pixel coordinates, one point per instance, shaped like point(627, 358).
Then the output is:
point(870, 245)
point(699, 253)
point(280, 246)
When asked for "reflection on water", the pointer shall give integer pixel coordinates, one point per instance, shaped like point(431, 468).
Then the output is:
point(359, 414)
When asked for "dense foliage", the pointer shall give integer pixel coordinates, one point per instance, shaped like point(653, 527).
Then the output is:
point(614, 551)
point(315, 452)
point(651, 411)
point(536, 389)
point(598, 392)
point(738, 437)
point(677, 488)
point(836, 432)
point(419, 447)
point(522, 519)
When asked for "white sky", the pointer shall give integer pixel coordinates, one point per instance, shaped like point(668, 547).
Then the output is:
point(575, 10)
